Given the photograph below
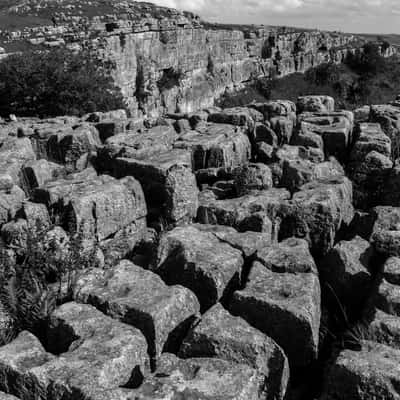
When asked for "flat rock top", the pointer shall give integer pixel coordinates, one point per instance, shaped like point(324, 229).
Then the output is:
point(219, 325)
point(132, 286)
point(24, 353)
point(292, 255)
point(291, 291)
point(200, 378)
point(374, 358)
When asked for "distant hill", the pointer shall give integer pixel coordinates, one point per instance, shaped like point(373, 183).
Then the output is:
point(393, 39)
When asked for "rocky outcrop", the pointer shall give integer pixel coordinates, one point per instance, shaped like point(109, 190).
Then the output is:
point(170, 61)
point(228, 250)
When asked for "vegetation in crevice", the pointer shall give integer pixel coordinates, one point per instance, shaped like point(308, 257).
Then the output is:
point(41, 276)
point(171, 77)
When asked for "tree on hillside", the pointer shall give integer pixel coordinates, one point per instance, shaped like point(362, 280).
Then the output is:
point(53, 83)
point(369, 61)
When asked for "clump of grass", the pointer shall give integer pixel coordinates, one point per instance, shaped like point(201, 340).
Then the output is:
point(349, 334)
point(39, 279)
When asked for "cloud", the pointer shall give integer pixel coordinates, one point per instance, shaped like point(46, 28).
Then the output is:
point(348, 15)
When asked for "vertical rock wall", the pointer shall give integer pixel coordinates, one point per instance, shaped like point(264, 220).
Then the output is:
point(186, 69)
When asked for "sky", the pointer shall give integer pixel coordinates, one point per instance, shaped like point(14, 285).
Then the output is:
point(366, 16)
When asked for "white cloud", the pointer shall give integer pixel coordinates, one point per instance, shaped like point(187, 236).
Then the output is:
point(349, 15)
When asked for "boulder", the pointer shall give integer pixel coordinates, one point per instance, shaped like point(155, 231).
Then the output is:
point(110, 127)
point(124, 242)
point(335, 130)
point(199, 261)
point(287, 154)
point(348, 269)
point(238, 116)
point(369, 137)
point(386, 231)
point(296, 173)
point(96, 353)
point(372, 373)
point(388, 117)
point(387, 298)
point(285, 306)
point(391, 270)
point(73, 148)
point(370, 179)
point(4, 396)
point(98, 207)
point(323, 104)
point(201, 378)
point(390, 186)
point(17, 360)
point(361, 114)
point(385, 329)
point(39, 172)
point(307, 137)
point(252, 177)
point(289, 256)
point(256, 211)
point(264, 134)
point(140, 298)
point(223, 336)
point(14, 154)
point(168, 183)
point(283, 127)
point(216, 146)
point(11, 201)
point(276, 108)
point(36, 215)
point(317, 212)
point(137, 144)
point(249, 243)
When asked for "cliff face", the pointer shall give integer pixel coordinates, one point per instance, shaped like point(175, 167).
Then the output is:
point(167, 60)
point(186, 69)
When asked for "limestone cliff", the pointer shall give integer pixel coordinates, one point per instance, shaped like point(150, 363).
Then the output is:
point(170, 61)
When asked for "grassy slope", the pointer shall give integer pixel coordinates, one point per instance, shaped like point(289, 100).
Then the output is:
point(381, 88)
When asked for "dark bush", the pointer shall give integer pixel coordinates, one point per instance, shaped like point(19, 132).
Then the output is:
point(170, 78)
point(54, 83)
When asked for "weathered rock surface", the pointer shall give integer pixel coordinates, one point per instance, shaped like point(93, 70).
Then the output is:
point(101, 353)
point(335, 130)
point(205, 378)
point(370, 165)
point(284, 306)
point(199, 261)
point(98, 208)
point(318, 211)
point(370, 373)
point(385, 329)
point(386, 232)
point(291, 255)
point(14, 154)
point(348, 269)
point(315, 104)
point(391, 270)
point(256, 211)
point(17, 359)
point(387, 298)
point(140, 298)
point(216, 146)
point(168, 183)
point(221, 335)
point(11, 200)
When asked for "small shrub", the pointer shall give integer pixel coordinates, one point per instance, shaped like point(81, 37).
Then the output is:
point(170, 78)
point(210, 65)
